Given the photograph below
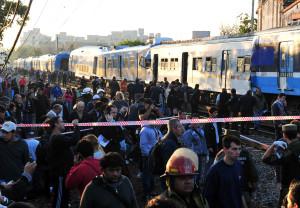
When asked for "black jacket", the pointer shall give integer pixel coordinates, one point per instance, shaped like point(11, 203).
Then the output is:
point(210, 136)
point(60, 154)
point(112, 133)
point(13, 157)
point(100, 193)
point(169, 144)
point(18, 190)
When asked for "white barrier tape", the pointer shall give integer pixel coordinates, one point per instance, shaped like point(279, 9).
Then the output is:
point(163, 122)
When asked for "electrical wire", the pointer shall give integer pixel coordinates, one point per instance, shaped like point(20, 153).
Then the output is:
point(17, 37)
point(34, 24)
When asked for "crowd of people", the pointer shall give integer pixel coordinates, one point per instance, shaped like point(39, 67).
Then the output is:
point(197, 165)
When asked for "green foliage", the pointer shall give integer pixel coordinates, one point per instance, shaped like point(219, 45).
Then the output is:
point(245, 24)
point(7, 10)
point(243, 27)
point(131, 43)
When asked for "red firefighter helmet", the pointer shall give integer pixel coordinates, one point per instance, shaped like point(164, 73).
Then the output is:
point(182, 162)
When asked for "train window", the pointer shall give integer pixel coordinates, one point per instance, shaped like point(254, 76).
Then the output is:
point(115, 63)
point(166, 63)
point(109, 63)
point(247, 62)
point(240, 64)
point(197, 64)
point(132, 62)
point(172, 63)
point(194, 64)
point(208, 64)
point(162, 63)
point(100, 63)
point(125, 62)
point(214, 64)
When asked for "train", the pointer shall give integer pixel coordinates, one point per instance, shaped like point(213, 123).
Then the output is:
point(269, 60)
point(47, 62)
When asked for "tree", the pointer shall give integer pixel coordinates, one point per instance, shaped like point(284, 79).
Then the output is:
point(245, 24)
point(243, 27)
point(228, 30)
point(10, 11)
point(131, 43)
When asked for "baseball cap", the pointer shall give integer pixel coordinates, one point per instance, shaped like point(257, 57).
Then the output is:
point(9, 126)
point(86, 90)
point(96, 97)
point(100, 91)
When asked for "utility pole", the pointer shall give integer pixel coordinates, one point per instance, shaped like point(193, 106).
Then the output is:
point(56, 43)
point(252, 17)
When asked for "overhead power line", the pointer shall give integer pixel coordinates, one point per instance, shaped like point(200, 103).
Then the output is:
point(17, 37)
point(35, 23)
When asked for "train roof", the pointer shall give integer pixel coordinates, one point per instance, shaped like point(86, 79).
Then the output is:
point(128, 49)
point(88, 50)
point(234, 38)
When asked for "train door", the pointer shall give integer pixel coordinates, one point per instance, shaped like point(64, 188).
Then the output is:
point(224, 68)
point(105, 66)
point(184, 67)
point(120, 66)
point(155, 67)
point(95, 63)
point(285, 64)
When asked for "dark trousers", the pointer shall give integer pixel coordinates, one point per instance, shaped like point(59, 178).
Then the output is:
point(61, 195)
point(147, 177)
point(278, 132)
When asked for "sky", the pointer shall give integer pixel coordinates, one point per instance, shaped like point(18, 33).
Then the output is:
point(175, 19)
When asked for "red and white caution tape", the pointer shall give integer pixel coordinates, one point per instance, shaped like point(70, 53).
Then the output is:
point(163, 122)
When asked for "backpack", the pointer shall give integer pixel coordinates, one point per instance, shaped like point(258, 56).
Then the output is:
point(155, 161)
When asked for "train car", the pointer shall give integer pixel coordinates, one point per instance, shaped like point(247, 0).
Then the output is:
point(28, 63)
point(276, 61)
point(213, 64)
point(19, 63)
point(45, 62)
point(61, 61)
point(269, 60)
point(129, 63)
point(83, 61)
